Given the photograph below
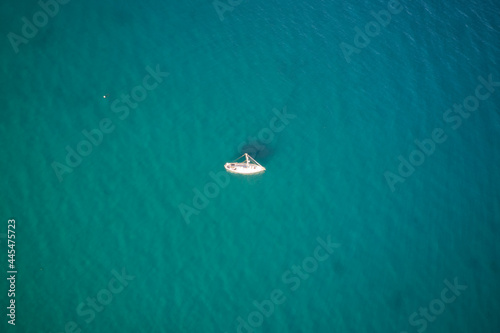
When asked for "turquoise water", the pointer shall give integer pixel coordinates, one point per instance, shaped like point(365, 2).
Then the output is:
point(120, 209)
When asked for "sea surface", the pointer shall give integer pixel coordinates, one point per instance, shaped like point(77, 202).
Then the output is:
point(379, 210)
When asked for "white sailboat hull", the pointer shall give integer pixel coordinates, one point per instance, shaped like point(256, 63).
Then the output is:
point(244, 168)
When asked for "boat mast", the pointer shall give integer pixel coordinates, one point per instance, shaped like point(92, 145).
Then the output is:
point(253, 160)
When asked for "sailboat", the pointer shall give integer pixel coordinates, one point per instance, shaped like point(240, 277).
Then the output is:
point(247, 167)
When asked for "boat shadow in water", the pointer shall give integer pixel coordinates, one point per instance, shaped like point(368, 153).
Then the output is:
point(257, 150)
